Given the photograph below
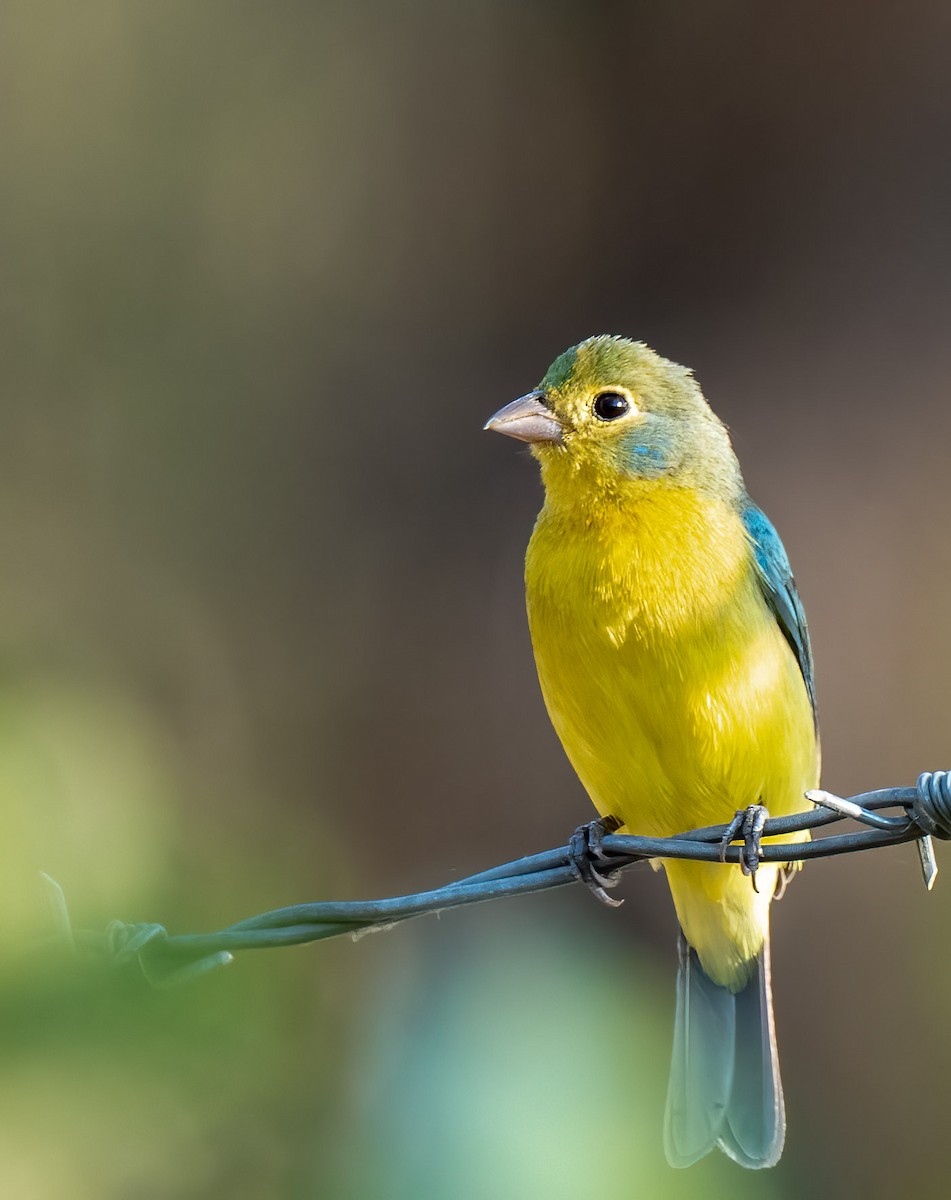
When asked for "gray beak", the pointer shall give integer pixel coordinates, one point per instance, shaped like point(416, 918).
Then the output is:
point(528, 418)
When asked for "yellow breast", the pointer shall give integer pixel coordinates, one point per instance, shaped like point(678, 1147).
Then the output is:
point(664, 672)
point(673, 689)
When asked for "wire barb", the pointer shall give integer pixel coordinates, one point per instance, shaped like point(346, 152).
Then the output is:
point(166, 959)
point(933, 809)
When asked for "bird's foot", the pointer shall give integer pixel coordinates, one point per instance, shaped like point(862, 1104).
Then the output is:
point(783, 879)
point(748, 822)
point(590, 863)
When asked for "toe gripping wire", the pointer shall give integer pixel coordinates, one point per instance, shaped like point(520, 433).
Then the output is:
point(750, 822)
point(595, 855)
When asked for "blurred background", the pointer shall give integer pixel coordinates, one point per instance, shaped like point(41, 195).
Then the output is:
point(266, 269)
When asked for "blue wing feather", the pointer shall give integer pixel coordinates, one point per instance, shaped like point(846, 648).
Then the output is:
point(779, 591)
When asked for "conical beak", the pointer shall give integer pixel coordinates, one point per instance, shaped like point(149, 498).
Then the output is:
point(528, 418)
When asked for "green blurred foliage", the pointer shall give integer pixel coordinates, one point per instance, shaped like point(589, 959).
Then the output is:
point(516, 1058)
point(266, 269)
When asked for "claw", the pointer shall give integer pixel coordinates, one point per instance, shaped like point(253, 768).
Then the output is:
point(786, 873)
point(750, 822)
point(589, 861)
point(731, 832)
point(753, 825)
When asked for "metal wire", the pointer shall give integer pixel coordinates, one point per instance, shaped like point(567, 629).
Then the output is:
point(924, 812)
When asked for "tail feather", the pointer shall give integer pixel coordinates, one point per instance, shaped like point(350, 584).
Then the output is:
point(724, 1087)
point(756, 1116)
point(701, 1070)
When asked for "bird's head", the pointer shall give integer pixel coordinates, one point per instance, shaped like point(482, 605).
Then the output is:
point(611, 413)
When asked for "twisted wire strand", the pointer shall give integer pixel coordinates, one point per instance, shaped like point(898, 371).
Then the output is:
point(164, 958)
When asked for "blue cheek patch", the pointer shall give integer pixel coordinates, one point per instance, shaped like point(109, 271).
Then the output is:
point(651, 452)
point(647, 458)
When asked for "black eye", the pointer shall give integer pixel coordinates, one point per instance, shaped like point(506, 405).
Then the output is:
point(610, 405)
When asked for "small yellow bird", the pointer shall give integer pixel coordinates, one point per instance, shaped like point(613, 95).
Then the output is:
point(674, 659)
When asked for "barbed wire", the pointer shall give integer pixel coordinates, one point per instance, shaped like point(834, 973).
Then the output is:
point(166, 959)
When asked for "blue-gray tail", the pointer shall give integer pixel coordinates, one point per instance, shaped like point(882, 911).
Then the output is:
point(724, 1086)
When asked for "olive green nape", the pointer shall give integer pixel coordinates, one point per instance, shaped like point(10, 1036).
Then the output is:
point(601, 359)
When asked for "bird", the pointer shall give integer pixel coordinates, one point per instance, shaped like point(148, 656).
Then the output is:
point(675, 663)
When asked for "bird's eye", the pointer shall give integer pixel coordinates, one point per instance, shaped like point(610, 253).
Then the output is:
point(610, 405)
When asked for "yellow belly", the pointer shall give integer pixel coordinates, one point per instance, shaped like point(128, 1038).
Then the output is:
point(673, 690)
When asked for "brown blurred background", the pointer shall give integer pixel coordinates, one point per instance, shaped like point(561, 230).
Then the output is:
point(265, 271)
